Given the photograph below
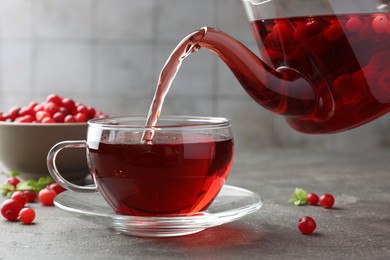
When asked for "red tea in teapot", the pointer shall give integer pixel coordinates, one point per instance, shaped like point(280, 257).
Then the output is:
point(159, 178)
point(345, 55)
point(325, 74)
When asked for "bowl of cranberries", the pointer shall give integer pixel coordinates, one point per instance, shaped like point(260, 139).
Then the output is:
point(27, 133)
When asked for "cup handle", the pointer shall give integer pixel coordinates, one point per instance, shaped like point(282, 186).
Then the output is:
point(52, 167)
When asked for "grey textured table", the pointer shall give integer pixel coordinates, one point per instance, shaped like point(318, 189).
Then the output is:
point(357, 228)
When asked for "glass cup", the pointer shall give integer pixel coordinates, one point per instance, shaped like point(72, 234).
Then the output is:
point(180, 170)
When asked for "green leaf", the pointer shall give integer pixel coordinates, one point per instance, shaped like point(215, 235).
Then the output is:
point(297, 203)
point(300, 197)
point(6, 187)
point(292, 200)
point(26, 185)
point(14, 173)
point(300, 194)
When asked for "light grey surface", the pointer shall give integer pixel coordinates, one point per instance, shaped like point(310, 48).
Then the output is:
point(358, 227)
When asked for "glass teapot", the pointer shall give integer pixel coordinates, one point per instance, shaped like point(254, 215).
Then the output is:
point(324, 64)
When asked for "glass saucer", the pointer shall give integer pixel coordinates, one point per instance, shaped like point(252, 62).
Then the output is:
point(231, 204)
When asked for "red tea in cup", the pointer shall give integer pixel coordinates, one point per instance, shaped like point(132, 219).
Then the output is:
point(161, 178)
point(180, 171)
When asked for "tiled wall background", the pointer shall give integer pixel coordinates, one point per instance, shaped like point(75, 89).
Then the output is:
point(108, 54)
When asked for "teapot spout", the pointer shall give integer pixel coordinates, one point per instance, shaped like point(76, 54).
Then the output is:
point(284, 91)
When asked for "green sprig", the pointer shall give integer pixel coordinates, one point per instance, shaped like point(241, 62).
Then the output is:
point(300, 197)
point(34, 185)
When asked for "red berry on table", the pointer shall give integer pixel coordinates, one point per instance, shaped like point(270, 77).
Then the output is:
point(46, 197)
point(20, 197)
point(26, 215)
point(306, 225)
point(12, 180)
point(30, 195)
point(56, 187)
point(327, 200)
point(10, 209)
point(312, 198)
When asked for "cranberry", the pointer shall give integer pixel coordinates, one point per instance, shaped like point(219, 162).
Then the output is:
point(282, 32)
point(13, 113)
point(306, 225)
point(51, 108)
point(327, 200)
point(56, 187)
point(312, 198)
point(20, 197)
point(82, 109)
point(40, 115)
point(48, 120)
point(80, 117)
point(24, 119)
point(354, 24)
point(59, 117)
point(46, 197)
point(2, 117)
point(56, 108)
point(24, 111)
point(299, 34)
point(12, 180)
point(54, 98)
point(334, 32)
point(380, 23)
point(68, 103)
point(10, 209)
point(26, 215)
point(38, 107)
point(32, 105)
point(312, 28)
point(30, 195)
point(69, 119)
point(91, 112)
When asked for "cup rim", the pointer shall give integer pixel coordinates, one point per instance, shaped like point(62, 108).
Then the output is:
point(164, 122)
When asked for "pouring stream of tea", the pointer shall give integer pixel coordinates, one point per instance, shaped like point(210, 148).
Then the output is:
point(168, 73)
point(243, 63)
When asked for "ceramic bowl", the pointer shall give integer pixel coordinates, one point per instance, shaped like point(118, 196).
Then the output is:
point(24, 148)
